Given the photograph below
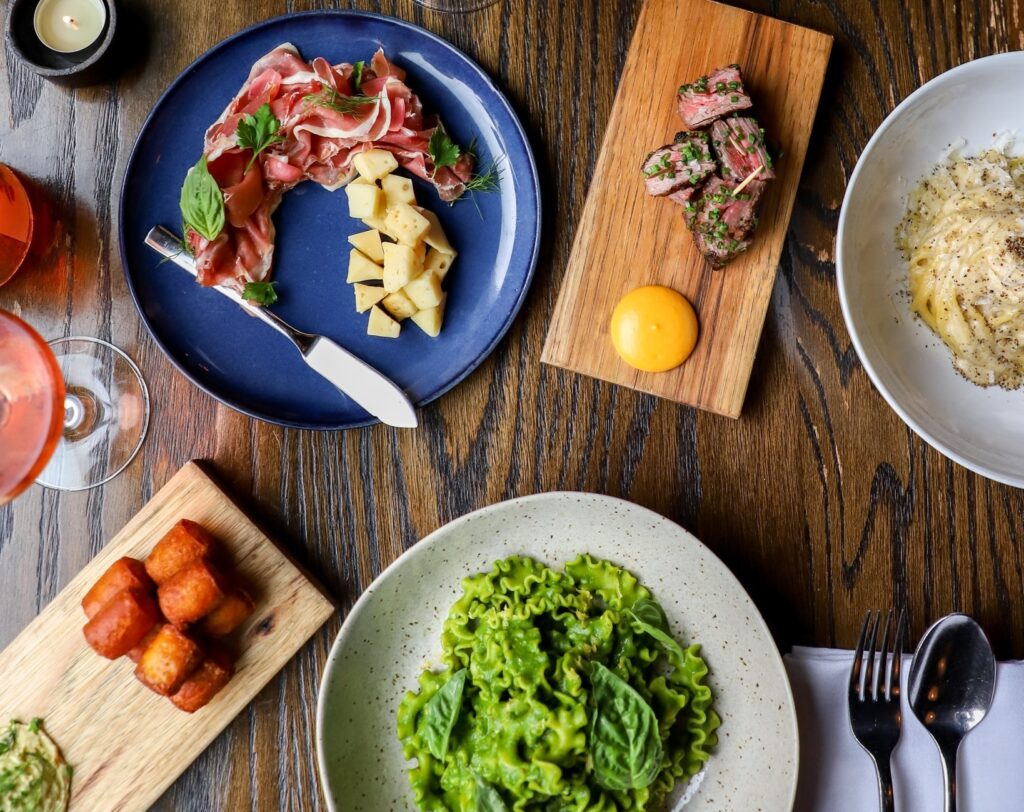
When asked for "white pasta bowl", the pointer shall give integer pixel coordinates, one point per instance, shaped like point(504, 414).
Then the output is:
point(394, 631)
point(969, 106)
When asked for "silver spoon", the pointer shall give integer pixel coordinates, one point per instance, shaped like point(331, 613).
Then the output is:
point(952, 682)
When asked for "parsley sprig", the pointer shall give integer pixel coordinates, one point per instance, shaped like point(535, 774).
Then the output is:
point(257, 132)
point(261, 293)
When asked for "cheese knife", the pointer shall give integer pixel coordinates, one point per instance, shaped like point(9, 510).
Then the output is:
point(379, 395)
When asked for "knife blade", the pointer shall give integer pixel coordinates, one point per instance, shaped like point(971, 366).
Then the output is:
point(371, 389)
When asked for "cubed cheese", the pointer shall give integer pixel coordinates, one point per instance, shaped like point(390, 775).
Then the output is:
point(369, 243)
point(367, 296)
point(425, 291)
point(438, 263)
point(398, 189)
point(361, 268)
point(399, 305)
point(420, 250)
point(435, 236)
point(374, 164)
point(378, 224)
point(382, 325)
point(365, 181)
point(364, 200)
point(406, 224)
point(400, 266)
point(430, 320)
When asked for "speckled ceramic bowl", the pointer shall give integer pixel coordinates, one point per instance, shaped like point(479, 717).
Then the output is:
point(394, 631)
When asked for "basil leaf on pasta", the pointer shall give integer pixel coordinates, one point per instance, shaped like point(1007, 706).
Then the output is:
point(657, 629)
point(441, 713)
point(624, 739)
point(487, 798)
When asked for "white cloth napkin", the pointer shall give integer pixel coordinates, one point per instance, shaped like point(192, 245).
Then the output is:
point(836, 774)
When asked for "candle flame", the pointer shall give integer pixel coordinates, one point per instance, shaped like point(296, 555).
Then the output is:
point(70, 22)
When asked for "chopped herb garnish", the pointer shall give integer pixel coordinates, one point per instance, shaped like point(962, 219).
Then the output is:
point(35, 724)
point(257, 132)
point(261, 293)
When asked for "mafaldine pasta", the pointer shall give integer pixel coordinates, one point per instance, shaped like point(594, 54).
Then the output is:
point(559, 690)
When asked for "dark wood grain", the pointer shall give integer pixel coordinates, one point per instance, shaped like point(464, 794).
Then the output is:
point(819, 498)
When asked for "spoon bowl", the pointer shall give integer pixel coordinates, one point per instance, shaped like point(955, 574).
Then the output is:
point(952, 684)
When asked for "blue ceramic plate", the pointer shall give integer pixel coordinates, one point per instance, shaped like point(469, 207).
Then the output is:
point(251, 368)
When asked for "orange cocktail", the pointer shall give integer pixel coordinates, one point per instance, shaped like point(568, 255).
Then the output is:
point(16, 223)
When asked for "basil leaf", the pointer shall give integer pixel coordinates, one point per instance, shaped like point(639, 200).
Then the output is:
point(443, 151)
point(487, 798)
point(356, 80)
point(625, 742)
point(257, 132)
point(262, 293)
point(651, 612)
point(441, 713)
point(202, 202)
point(647, 617)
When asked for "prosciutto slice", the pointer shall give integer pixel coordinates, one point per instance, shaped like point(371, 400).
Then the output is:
point(319, 138)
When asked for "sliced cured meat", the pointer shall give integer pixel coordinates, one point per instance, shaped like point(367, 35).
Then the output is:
point(739, 145)
point(710, 97)
point(324, 119)
point(687, 162)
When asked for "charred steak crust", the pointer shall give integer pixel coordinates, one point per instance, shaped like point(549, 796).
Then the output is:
point(713, 96)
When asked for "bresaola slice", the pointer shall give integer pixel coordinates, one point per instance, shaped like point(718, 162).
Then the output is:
point(687, 162)
point(739, 145)
point(710, 97)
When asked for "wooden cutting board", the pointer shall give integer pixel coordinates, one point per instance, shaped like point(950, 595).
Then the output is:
point(126, 744)
point(627, 238)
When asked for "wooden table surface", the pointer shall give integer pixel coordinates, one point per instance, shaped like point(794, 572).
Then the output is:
point(819, 498)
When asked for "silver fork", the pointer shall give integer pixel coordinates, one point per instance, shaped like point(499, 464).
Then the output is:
point(875, 713)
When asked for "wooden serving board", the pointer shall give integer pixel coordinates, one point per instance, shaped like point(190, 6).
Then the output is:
point(627, 239)
point(126, 744)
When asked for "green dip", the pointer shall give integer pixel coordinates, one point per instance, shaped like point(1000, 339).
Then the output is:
point(33, 774)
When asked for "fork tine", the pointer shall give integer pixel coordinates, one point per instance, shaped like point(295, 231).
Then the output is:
point(870, 671)
point(897, 660)
point(882, 673)
point(857, 659)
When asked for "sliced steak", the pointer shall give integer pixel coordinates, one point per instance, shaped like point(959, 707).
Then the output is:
point(687, 162)
point(739, 145)
point(723, 222)
point(712, 97)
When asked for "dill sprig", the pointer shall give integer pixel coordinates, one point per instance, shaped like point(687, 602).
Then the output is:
point(486, 181)
point(333, 100)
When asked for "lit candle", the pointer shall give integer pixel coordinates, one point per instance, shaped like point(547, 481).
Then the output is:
point(68, 26)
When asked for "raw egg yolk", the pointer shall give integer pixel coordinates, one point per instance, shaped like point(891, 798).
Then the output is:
point(654, 328)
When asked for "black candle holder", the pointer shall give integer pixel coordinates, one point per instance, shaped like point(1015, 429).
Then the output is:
point(86, 67)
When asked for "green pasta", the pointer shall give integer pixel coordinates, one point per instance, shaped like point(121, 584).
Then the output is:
point(561, 691)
